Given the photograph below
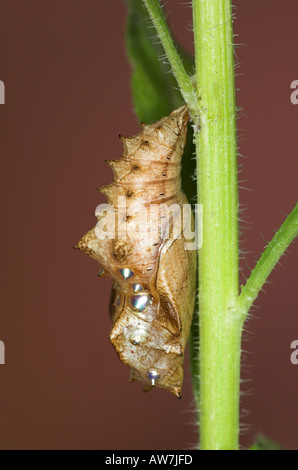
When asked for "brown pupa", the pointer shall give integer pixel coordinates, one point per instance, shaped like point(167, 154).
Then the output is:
point(153, 291)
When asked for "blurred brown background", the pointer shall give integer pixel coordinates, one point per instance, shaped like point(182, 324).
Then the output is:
point(68, 96)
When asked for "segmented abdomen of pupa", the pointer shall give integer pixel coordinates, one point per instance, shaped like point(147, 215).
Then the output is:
point(153, 289)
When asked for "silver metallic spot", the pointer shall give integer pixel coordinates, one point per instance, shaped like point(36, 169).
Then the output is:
point(139, 303)
point(101, 273)
point(126, 273)
point(153, 376)
point(137, 287)
point(136, 340)
point(139, 336)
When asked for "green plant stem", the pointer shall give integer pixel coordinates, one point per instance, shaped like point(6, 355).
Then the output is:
point(220, 328)
point(222, 309)
point(187, 90)
point(268, 260)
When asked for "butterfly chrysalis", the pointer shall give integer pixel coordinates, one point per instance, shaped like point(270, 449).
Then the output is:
point(143, 249)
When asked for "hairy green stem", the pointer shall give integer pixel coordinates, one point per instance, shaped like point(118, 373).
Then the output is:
point(222, 309)
point(270, 257)
point(220, 328)
point(187, 90)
